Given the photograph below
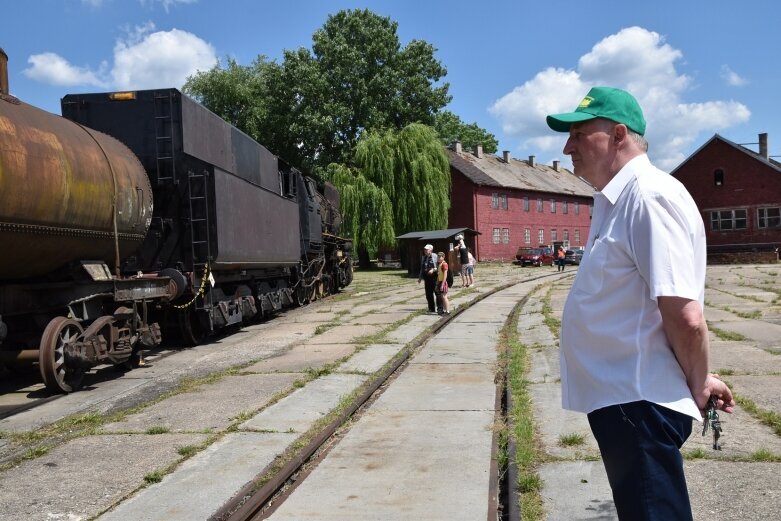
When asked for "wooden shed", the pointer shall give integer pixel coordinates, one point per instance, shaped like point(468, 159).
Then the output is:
point(411, 247)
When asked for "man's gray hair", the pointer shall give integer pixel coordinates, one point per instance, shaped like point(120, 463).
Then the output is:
point(639, 140)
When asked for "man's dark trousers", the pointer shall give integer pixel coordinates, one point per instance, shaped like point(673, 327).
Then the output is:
point(430, 282)
point(640, 443)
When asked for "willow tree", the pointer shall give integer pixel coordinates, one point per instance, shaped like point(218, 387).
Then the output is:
point(408, 167)
point(366, 210)
point(411, 167)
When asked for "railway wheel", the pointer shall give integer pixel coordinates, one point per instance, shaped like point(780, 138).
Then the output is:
point(190, 328)
point(58, 377)
point(301, 294)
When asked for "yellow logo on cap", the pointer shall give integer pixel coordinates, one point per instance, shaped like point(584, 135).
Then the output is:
point(586, 102)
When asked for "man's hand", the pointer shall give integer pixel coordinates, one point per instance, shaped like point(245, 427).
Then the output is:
point(715, 387)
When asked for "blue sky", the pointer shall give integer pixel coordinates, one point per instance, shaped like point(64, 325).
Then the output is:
point(698, 67)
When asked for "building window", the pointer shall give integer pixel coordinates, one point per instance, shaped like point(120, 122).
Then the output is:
point(590, 210)
point(718, 177)
point(526, 204)
point(553, 206)
point(506, 235)
point(497, 235)
point(539, 205)
point(494, 200)
point(725, 220)
point(527, 236)
point(564, 208)
point(577, 208)
point(504, 201)
point(565, 235)
point(554, 235)
point(769, 217)
point(541, 236)
point(577, 237)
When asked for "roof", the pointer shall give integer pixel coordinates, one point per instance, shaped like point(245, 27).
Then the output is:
point(437, 234)
point(491, 170)
point(772, 163)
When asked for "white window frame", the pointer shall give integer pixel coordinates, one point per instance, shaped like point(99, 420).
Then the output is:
point(737, 217)
point(766, 220)
point(527, 236)
point(497, 235)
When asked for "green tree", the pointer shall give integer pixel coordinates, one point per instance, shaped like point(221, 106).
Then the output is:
point(313, 107)
point(450, 128)
point(408, 167)
point(235, 92)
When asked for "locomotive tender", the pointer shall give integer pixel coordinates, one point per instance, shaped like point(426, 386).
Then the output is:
point(140, 216)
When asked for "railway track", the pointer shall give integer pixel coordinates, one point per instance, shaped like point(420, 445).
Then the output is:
point(260, 501)
point(126, 388)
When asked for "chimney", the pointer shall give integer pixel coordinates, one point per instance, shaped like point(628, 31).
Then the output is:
point(763, 145)
point(506, 156)
point(3, 72)
point(556, 166)
point(479, 151)
point(457, 147)
point(531, 161)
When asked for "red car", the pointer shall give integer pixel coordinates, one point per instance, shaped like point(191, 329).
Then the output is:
point(535, 256)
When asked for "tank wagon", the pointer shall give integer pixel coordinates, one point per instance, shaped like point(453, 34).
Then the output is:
point(140, 216)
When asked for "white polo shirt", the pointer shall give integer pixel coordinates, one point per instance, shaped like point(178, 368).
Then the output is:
point(647, 240)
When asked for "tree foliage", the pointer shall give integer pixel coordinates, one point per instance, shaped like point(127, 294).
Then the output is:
point(367, 210)
point(313, 107)
point(408, 167)
point(450, 129)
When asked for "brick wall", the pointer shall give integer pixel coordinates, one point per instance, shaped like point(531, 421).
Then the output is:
point(748, 183)
point(473, 206)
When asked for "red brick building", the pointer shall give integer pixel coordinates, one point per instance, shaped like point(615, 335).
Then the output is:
point(516, 203)
point(738, 192)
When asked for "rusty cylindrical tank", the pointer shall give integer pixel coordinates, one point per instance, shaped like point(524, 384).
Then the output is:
point(67, 193)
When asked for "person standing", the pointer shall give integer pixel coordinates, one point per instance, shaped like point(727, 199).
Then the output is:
point(442, 286)
point(560, 255)
point(470, 268)
point(463, 258)
point(634, 342)
point(428, 274)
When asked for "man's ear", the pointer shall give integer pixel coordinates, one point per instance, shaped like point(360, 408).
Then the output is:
point(619, 133)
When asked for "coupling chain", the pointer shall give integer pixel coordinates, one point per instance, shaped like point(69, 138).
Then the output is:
point(198, 293)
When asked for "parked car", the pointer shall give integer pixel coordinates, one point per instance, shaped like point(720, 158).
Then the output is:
point(573, 256)
point(534, 256)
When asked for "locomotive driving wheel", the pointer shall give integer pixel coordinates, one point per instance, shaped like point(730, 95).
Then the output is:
point(190, 328)
point(58, 377)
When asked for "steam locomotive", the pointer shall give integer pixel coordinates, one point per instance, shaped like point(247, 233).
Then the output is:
point(92, 272)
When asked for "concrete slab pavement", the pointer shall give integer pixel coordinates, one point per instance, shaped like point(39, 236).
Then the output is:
point(298, 411)
point(97, 457)
point(202, 484)
point(212, 408)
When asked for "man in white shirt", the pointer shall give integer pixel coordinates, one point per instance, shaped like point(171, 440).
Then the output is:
point(634, 342)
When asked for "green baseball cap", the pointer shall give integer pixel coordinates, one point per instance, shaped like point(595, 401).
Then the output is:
point(603, 102)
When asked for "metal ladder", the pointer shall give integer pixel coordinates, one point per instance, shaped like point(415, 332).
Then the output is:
point(198, 198)
point(164, 138)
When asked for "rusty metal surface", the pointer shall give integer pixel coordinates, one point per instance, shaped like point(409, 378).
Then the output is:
point(57, 186)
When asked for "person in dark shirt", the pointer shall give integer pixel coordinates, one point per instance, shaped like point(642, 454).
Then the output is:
point(428, 274)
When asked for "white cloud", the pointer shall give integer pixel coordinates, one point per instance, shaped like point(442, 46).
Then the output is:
point(52, 68)
point(160, 59)
point(144, 59)
point(634, 59)
point(732, 78)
